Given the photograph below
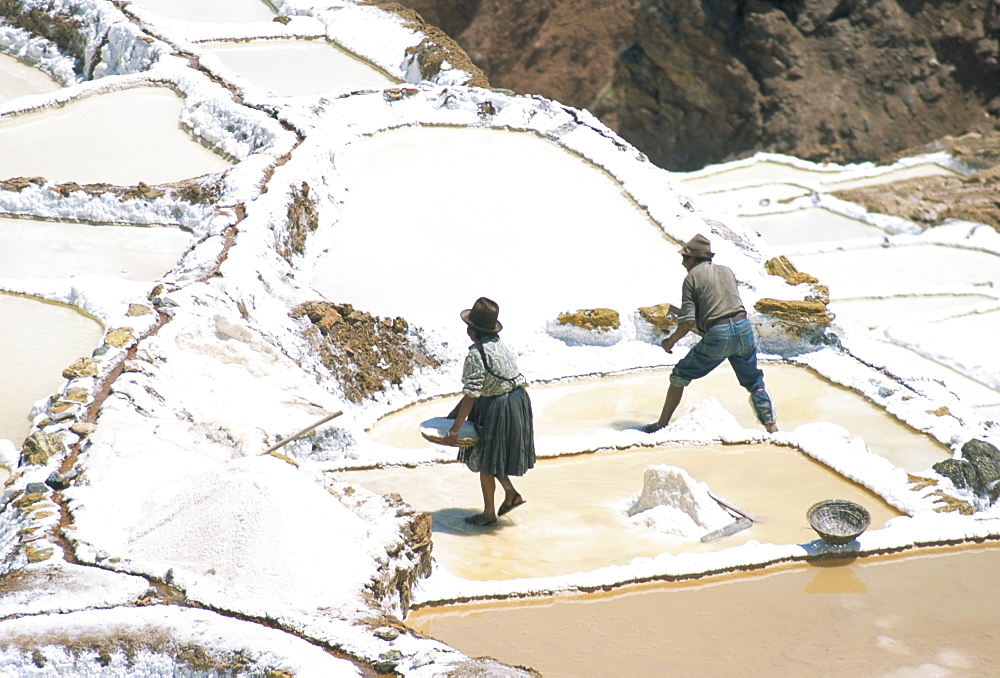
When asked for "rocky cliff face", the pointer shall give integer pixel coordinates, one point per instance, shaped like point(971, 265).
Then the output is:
point(702, 81)
point(844, 80)
point(561, 49)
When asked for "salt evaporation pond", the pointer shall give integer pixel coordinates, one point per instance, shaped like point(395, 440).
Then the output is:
point(577, 501)
point(955, 341)
point(926, 613)
point(33, 248)
point(216, 11)
point(753, 174)
point(123, 137)
point(785, 230)
point(870, 313)
point(574, 520)
point(800, 397)
point(917, 269)
point(561, 219)
point(17, 79)
point(752, 199)
point(918, 171)
point(298, 67)
point(830, 177)
point(39, 341)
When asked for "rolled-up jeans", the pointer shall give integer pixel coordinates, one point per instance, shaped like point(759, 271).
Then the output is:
point(732, 340)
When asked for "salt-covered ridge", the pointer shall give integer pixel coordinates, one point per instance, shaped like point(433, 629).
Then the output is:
point(205, 383)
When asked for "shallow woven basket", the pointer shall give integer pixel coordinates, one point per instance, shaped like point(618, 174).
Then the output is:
point(437, 428)
point(838, 521)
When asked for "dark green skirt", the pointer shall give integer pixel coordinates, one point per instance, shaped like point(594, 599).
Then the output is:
point(506, 428)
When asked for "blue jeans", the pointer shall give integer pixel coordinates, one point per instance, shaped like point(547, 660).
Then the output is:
point(734, 341)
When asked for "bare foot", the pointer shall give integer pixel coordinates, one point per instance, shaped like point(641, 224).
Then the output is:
point(652, 428)
point(771, 428)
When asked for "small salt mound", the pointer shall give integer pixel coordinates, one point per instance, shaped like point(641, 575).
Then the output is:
point(258, 533)
point(672, 502)
point(708, 420)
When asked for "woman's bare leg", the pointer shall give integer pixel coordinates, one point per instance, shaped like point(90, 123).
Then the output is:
point(508, 489)
point(489, 485)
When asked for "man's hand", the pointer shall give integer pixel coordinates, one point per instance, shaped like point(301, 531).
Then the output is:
point(451, 438)
point(679, 333)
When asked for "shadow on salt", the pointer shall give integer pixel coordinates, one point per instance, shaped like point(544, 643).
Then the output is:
point(39, 339)
point(18, 79)
point(122, 137)
point(298, 67)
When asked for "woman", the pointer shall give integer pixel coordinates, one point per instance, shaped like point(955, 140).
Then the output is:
point(495, 400)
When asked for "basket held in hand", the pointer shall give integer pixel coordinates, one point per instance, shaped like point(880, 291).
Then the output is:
point(437, 428)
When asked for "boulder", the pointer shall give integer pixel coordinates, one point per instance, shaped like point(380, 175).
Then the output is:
point(40, 447)
point(961, 473)
point(977, 470)
point(985, 457)
point(83, 367)
point(118, 337)
point(662, 317)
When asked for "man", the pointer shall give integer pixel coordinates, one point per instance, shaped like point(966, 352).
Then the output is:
point(711, 305)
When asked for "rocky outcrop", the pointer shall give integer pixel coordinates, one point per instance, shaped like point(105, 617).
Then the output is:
point(932, 200)
point(803, 317)
point(364, 353)
point(437, 46)
point(838, 80)
point(691, 83)
point(303, 219)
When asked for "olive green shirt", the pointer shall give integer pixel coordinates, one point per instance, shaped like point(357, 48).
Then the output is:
point(708, 295)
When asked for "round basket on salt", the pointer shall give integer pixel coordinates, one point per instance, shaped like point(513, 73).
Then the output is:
point(838, 521)
point(437, 428)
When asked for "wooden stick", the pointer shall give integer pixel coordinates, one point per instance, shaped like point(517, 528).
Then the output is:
point(730, 529)
point(304, 431)
point(733, 507)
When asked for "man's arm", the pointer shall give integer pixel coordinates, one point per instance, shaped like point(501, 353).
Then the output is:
point(682, 329)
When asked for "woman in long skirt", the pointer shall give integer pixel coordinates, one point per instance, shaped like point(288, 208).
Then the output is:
point(495, 400)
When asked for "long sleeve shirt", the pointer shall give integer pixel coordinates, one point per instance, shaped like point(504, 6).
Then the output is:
point(478, 381)
point(708, 295)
